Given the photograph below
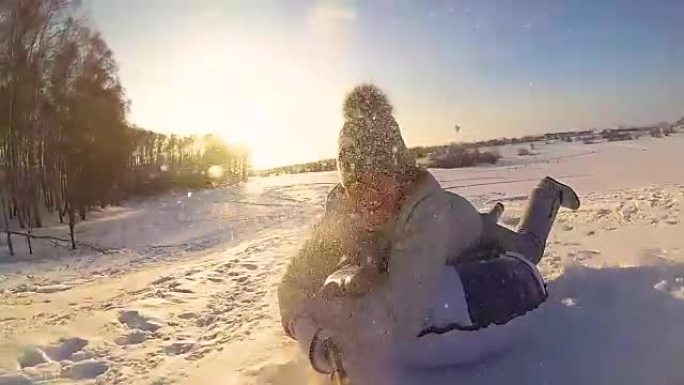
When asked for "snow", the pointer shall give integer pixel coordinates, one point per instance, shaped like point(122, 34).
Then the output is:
point(186, 292)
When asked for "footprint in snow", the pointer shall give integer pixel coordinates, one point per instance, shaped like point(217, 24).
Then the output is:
point(65, 348)
point(187, 315)
point(134, 320)
point(179, 347)
point(133, 337)
point(85, 370)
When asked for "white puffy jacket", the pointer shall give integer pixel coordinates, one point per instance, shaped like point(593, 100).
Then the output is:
point(432, 228)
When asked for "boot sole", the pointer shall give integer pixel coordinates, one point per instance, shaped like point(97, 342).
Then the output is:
point(569, 198)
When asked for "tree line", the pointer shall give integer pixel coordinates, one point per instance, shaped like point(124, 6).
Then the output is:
point(453, 155)
point(317, 166)
point(160, 162)
point(468, 154)
point(65, 143)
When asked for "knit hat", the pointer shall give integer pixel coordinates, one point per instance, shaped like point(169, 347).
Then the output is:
point(370, 140)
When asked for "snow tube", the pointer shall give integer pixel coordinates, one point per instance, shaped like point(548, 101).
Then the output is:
point(476, 312)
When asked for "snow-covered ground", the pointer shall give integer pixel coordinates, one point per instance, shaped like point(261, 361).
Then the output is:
point(185, 293)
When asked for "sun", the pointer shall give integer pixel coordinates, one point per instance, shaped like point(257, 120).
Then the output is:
point(257, 135)
point(261, 160)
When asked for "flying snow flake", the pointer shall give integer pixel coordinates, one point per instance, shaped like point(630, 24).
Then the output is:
point(569, 302)
point(661, 286)
point(189, 194)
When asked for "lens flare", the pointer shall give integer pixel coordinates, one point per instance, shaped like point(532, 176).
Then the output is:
point(215, 172)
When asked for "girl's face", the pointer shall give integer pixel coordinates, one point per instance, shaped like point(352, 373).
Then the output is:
point(375, 199)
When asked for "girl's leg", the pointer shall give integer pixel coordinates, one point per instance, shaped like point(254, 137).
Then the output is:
point(537, 220)
point(540, 214)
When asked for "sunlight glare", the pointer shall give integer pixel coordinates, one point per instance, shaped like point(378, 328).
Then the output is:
point(215, 172)
point(255, 129)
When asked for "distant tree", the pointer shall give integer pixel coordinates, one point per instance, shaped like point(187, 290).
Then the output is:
point(457, 155)
point(523, 151)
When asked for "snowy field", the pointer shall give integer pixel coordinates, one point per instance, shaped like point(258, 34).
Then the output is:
point(185, 292)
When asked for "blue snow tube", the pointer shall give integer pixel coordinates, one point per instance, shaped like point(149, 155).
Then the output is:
point(477, 312)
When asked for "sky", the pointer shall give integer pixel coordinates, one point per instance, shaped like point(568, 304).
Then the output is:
point(272, 75)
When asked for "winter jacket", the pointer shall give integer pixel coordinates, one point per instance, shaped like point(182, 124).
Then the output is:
point(432, 228)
